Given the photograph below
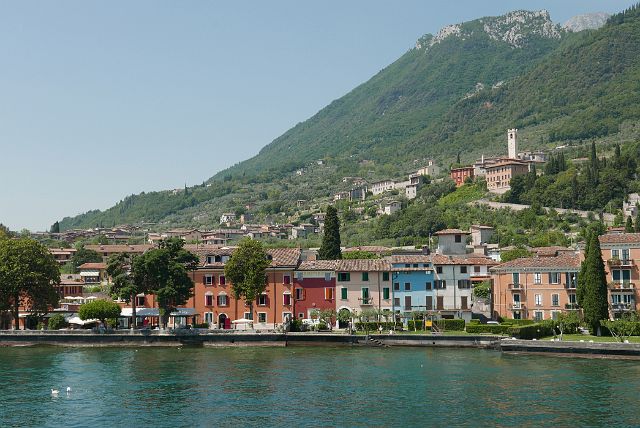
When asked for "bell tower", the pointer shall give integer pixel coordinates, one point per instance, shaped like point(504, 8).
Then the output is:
point(512, 143)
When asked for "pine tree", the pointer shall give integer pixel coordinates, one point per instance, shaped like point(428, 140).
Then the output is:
point(594, 286)
point(628, 227)
point(330, 248)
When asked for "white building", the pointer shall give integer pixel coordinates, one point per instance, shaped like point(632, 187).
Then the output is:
point(452, 242)
point(382, 186)
point(227, 218)
point(630, 206)
point(391, 207)
point(431, 169)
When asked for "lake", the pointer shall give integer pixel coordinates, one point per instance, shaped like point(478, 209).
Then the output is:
point(311, 386)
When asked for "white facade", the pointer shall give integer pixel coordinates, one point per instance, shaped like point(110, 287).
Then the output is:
point(382, 186)
point(227, 218)
point(392, 207)
point(512, 143)
point(452, 290)
point(629, 207)
point(411, 191)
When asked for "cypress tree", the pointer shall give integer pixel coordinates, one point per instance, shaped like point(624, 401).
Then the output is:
point(628, 227)
point(583, 268)
point(637, 225)
point(55, 228)
point(594, 280)
point(330, 248)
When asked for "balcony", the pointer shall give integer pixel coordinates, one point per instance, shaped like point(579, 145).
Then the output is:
point(623, 307)
point(366, 300)
point(571, 306)
point(516, 306)
point(515, 286)
point(571, 285)
point(624, 285)
point(615, 262)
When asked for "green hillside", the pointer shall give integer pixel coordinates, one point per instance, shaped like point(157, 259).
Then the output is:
point(455, 92)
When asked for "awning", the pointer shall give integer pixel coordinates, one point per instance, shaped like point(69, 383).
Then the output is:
point(76, 320)
point(90, 273)
point(155, 312)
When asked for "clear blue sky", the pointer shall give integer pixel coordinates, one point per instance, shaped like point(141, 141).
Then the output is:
point(101, 99)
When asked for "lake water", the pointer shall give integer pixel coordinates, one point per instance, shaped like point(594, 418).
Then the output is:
point(335, 386)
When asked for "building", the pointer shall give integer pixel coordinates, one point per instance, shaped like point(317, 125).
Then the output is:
point(213, 299)
point(362, 285)
point(412, 278)
point(314, 287)
point(430, 169)
point(411, 191)
point(107, 251)
point(536, 287)
point(460, 175)
point(228, 218)
point(452, 242)
point(62, 255)
point(621, 254)
point(630, 206)
point(93, 273)
point(382, 186)
point(452, 287)
point(390, 208)
point(499, 175)
point(512, 143)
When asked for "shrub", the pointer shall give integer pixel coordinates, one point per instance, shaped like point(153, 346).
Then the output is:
point(202, 325)
point(533, 331)
point(454, 325)
point(474, 322)
point(487, 328)
point(322, 326)
point(510, 321)
point(373, 326)
point(415, 325)
point(56, 322)
point(296, 325)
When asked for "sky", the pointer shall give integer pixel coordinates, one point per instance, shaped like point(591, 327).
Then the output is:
point(100, 100)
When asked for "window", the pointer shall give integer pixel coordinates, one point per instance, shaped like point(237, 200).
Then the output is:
point(139, 300)
point(407, 286)
point(458, 238)
point(286, 279)
point(464, 284)
point(208, 300)
point(343, 293)
point(515, 277)
point(208, 317)
point(396, 302)
point(572, 299)
point(286, 298)
point(407, 265)
point(429, 303)
point(428, 285)
point(223, 280)
point(208, 280)
point(365, 294)
point(300, 276)
point(538, 315)
point(385, 276)
point(248, 316)
point(385, 293)
point(438, 269)
point(365, 276)
point(300, 315)
point(327, 276)
point(407, 303)
point(555, 300)
point(222, 300)
point(299, 293)
point(439, 284)
point(537, 278)
point(615, 254)
point(554, 315)
point(621, 275)
point(396, 286)
point(344, 276)
point(286, 316)
point(463, 269)
point(328, 293)
point(554, 278)
point(262, 317)
point(210, 260)
point(476, 269)
point(538, 299)
point(262, 300)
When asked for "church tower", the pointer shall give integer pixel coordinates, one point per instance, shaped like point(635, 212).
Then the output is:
point(512, 143)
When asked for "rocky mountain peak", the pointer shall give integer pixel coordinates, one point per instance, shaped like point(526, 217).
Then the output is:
point(587, 21)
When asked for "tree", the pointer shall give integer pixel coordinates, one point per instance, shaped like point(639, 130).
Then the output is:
point(164, 271)
point(593, 282)
point(636, 227)
point(28, 273)
point(359, 254)
point(123, 285)
point(247, 270)
point(628, 227)
point(56, 322)
point(83, 256)
point(622, 328)
point(330, 248)
point(55, 228)
point(99, 309)
point(516, 253)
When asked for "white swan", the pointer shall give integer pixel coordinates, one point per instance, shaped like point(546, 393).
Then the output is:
point(68, 389)
point(54, 392)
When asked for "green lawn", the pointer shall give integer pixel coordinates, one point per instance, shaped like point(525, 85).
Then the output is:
point(586, 338)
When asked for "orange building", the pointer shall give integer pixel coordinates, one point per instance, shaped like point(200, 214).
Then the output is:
point(459, 175)
point(500, 174)
point(535, 288)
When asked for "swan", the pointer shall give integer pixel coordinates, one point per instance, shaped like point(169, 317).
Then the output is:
point(68, 389)
point(54, 392)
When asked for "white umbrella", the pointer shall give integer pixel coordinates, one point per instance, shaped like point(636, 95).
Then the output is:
point(241, 321)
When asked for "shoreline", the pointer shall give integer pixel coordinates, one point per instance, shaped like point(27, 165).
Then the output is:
point(147, 339)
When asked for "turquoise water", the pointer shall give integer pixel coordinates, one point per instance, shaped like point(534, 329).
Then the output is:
point(327, 386)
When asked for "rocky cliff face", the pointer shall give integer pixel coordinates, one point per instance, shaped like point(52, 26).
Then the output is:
point(515, 28)
point(587, 21)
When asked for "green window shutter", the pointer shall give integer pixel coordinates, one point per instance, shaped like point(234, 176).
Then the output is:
point(385, 276)
point(385, 293)
point(365, 276)
point(343, 293)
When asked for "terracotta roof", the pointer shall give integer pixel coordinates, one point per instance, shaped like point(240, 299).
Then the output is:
point(369, 248)
point(62, 250)
point(550, 251)
point(93, 266)
point(119, 248)
point(363, 265)
point(410, 259)
point(318, 265)
point(451, 232)
point(558, 262)
point(281, 257)
point(620, 238)
point(481, 261)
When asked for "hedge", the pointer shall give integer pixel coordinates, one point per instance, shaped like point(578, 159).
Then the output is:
point(533, 331)
point(419, 325)
point(508, 321)
point(454, 325)
point(373, 326)
point(487, 328)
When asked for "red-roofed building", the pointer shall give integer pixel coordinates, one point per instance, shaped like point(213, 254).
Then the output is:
point(621, 254)
point(314, 287)
point(459, 175)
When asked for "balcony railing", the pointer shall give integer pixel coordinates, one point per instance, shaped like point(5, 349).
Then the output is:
point(517, 305)
point(624, 285)
point(515, 286)
point(366, 300)
point(571, 285)
point(571, 306)
point(620, 262)
point(623, 306)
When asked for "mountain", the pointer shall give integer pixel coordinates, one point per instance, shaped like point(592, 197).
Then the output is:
point(455, 92)
point(587, 21)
